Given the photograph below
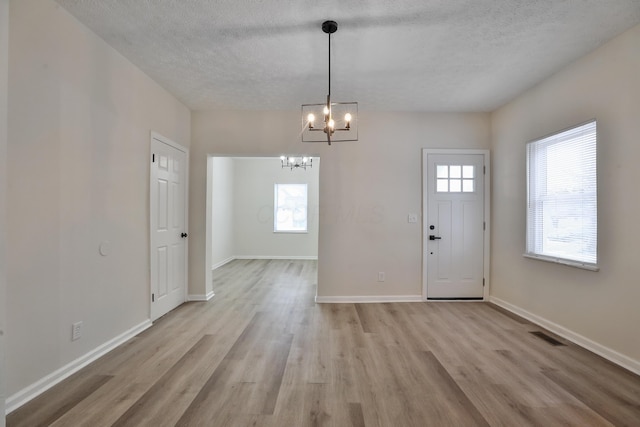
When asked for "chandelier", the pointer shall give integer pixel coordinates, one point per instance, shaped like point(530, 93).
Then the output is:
point(331, 121)
point(296, 162)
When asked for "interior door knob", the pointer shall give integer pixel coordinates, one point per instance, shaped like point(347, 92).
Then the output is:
point(183, 235)
point(432, 237)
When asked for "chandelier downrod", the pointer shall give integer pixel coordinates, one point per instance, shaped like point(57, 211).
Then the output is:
point(329, 27)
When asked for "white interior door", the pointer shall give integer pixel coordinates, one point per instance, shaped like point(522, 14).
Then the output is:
point(454, 225)
point(168, 206)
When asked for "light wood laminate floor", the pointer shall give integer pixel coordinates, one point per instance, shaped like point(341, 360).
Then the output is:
point(262, 353)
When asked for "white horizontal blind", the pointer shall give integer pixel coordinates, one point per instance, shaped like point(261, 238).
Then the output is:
point(562, 220)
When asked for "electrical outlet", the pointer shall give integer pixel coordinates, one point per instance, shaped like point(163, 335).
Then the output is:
point(381, 276)
point(76, 331)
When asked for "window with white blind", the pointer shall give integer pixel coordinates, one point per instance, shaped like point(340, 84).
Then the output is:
point(562, 203)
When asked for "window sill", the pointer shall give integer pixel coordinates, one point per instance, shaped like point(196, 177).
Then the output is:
point(577, 264)
point(290, 232)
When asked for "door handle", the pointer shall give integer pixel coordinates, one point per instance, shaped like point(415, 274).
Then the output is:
point(183, 235)
point(432, 237)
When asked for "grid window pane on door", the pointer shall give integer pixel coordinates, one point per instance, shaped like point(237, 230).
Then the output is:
point(455, 178)
point(290, 207)
point(562, 208)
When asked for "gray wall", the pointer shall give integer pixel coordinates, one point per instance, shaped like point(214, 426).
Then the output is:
point(80, 117)
point(367, 188)
point(254, 180)
point(600, 309)
point(221, 186)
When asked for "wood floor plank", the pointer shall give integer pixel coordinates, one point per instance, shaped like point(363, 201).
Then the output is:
point(200, 404)
point(271, 365)
point(365, 322)
point(172, 388)
point(51, 405)
point(455, 395)
point(275, 369)
point(263, 353)
point(355, 414)
point(104, 406)
point(619, 407)
point(205, 405)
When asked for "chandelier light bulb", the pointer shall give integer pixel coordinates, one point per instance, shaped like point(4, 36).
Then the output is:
point(325, 110)
point(331, 123)
point(347, 117)
point(311, 118)
point(304, 160)
point(283, 158)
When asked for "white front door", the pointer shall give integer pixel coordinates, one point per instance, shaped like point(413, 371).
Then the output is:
point(168, 225)
point(454, 225)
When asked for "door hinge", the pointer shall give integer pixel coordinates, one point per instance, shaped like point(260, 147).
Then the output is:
point(483, 282)
point(484, 170)
point(153, 297)
point(153, 158)
point(484, 225)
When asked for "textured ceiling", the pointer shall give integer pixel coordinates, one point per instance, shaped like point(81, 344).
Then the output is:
point(402, 55)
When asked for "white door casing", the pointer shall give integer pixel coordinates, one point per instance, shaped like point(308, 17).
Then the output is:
point(168, 209)
point(456, 212)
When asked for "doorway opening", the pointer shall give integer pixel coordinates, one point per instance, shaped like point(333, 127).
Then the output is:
point(243, 194)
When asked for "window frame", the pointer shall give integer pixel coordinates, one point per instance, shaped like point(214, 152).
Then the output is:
point(533, 234)
point(276, 208)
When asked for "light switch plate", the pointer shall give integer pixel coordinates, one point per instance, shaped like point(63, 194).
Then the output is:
point(76, 331)
point(412, 218)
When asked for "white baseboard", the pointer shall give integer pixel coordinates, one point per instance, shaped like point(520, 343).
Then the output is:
point(304, 257)
point(369, 299)
point(609, 354)
point(44, 384)
point(196, 297)
point(221, 263)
